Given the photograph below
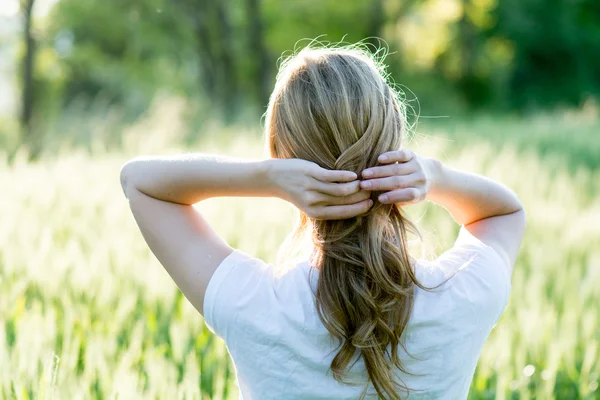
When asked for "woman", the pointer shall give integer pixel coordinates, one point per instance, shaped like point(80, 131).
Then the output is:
point(359, 317)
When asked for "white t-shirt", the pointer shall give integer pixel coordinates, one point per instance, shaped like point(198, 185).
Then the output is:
point(281, 350)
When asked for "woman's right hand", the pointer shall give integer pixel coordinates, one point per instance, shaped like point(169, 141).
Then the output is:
point(404, 177)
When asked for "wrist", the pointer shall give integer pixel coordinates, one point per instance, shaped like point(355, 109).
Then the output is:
point(268, 173)
point(434, 171)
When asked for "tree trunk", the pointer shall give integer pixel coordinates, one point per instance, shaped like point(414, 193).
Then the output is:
point(376, 21)
point(228, 81)
point(199, 14)
point(258, 50)
point(467, 44)
point(28, 65)
point(205, 50)
point(472, 87)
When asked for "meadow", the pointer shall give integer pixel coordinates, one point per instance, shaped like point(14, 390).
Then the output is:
point(87, 312)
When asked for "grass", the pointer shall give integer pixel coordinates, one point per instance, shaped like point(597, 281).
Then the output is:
point(87, 312)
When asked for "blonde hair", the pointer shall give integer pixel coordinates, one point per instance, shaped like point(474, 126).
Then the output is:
point(334, 107)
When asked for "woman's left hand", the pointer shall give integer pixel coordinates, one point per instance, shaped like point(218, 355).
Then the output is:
point(403, 178)
point(320, 193)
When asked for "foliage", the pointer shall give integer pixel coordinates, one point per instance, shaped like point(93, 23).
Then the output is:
point(451, 57)
point(87, 312)
point(556, 49)
point(509, 54)
point(119, 50)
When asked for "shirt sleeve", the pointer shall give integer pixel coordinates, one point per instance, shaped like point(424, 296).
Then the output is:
point(236, 283)
point(481, 280)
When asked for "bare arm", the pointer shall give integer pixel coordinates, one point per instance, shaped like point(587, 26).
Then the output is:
point(189, 178)
point(161, 191)
point(469, 197)
point(488, 210)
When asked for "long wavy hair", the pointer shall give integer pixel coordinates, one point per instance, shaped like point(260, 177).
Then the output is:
point(335, 107)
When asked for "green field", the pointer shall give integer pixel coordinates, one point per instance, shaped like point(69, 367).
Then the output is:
point(87, 312)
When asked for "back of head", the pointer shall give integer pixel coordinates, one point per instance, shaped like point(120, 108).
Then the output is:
point(333, 106)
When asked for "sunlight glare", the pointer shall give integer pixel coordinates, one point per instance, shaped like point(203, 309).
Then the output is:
point(9, 8)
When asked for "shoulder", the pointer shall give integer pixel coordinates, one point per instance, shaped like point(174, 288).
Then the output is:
point(238, 282)
point(237, 270)
point(477, 276)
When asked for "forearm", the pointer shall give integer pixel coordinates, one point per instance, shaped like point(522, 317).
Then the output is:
point(190, 178)
point(469, 197)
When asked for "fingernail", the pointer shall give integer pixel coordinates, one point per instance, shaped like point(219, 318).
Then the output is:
point(367, 174)
point(370, 203)
point(382, 158)
point(383, 198)
point(365, 185)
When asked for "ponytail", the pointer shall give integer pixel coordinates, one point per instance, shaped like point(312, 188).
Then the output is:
point(365, 291)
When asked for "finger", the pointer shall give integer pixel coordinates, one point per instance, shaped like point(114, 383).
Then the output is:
point(329, 175)
point(389, 170)
point(403, 155)
point(408, 195)
point(327, 200)
point(343, 212)
point(385, 184)
point(338, 189)
point(393, 182)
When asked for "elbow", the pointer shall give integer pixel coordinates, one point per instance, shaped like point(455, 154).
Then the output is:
point(124, 178)
point(519, 219)
point(516, 210)
point(522, 211)
point(517, 205)
point(127, 176)
point(523, 216)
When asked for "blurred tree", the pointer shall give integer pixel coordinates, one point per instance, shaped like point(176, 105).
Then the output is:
point(229, 93)
point(454, 54)
point(199, 17)
point(214, 38)
point(121, 51)
point(256, 44)
point(27, 103)
point(376, 22)
point(468, 48)
point(557, 50)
